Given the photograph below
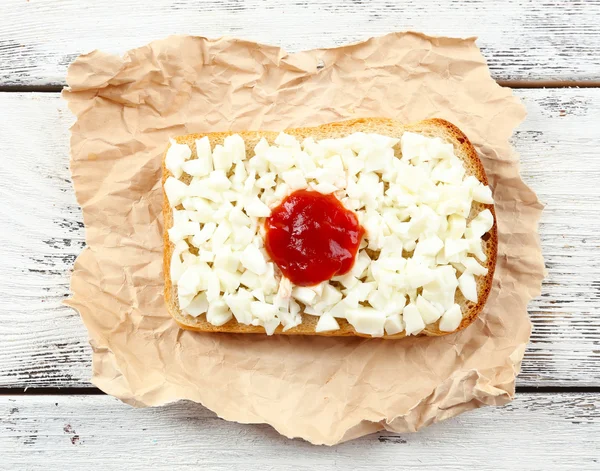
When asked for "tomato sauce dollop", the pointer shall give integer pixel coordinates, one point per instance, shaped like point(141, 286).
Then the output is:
point(312, 237)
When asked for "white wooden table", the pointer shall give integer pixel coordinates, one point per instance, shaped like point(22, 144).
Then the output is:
point(50, 415)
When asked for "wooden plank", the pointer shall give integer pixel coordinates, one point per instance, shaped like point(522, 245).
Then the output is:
point(42, 234)
point(522, 40)
point(78, 432)
point(43, 344)
point(558, 146)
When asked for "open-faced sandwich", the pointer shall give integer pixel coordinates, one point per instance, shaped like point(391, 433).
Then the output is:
point(366, 228)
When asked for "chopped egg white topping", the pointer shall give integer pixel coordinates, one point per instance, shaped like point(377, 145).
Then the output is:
point(419, 246)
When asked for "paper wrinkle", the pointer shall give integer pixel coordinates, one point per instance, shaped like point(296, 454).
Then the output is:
point(324, 390)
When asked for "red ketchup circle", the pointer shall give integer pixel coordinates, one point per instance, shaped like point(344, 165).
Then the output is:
point(312, 237)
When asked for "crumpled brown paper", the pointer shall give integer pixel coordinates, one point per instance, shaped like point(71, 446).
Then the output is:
point(325, 390)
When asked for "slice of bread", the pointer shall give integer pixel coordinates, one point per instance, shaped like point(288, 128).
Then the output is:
point(388, 127)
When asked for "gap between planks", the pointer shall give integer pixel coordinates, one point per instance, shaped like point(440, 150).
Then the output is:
point(514, 84)
point(93, 391)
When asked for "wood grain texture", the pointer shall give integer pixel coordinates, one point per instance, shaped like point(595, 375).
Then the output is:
point(523, 40)
point(43, 344)
point(54, 432)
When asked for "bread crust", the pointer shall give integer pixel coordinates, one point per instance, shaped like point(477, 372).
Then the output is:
point(389, 127)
